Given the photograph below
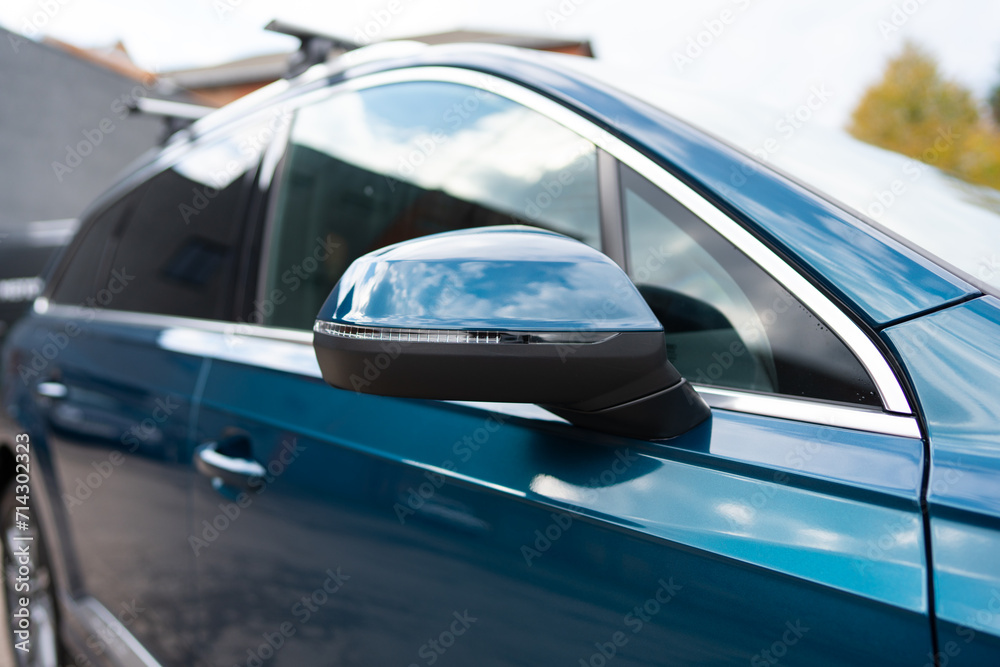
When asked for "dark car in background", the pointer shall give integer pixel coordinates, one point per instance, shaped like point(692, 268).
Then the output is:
point(607, 390)
point(25, 254)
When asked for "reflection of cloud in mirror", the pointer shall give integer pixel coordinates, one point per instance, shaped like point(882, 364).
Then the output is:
point(536, 295)
point(471, 144)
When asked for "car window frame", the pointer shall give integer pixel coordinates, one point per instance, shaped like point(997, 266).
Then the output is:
point(263, 195)
point(897, 416)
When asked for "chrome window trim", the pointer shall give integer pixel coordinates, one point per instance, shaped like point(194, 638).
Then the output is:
point(797, 409)
point(155, 320)
point(814, 412)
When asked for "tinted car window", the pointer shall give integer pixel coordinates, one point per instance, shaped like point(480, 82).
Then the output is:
point(180, 247)
point(90, 255)
point(727, 322)
point(171, 246)
point(371, 168)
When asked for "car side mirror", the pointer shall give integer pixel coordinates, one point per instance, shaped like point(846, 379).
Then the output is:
point(508, 314)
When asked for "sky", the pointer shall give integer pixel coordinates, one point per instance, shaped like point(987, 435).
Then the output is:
point(775, 53)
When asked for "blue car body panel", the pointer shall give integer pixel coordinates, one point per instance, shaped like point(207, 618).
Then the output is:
point(954, 364)
point(447, 507)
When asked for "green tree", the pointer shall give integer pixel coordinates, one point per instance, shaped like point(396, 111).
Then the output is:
point(994, 101)
point(915, 111)
point(979, 161)
point(913, 107)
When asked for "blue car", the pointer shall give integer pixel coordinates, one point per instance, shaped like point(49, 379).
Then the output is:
point(465, 355)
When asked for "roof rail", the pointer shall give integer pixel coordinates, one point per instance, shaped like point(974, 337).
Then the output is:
point(176, 115)
point(314, 47)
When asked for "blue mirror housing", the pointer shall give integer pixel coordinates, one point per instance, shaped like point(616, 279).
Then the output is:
point(509, 314)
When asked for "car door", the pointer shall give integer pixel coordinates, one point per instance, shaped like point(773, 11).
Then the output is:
point(115, 405)
point(335, 527)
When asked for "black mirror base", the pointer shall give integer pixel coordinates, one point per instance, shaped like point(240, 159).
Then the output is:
point(664, 414)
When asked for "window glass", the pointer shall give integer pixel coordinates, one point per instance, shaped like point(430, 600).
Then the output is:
point(90, 255)
point(728, 323)
point(178, 251)
point(370, 168)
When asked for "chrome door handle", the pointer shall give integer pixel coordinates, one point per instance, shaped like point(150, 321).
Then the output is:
point(234, 471)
